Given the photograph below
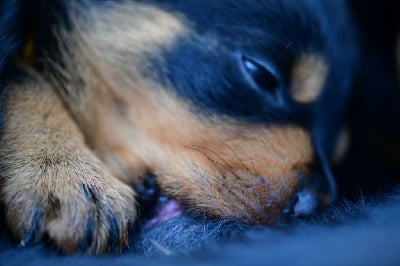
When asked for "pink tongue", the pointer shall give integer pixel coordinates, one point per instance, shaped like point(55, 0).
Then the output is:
point(167, 211)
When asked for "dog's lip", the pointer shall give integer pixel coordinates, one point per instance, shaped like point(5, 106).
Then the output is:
point(158, 207)
point(165, 209)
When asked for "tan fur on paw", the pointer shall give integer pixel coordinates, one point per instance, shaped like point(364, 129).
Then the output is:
point(52, 184)
point(76, 207)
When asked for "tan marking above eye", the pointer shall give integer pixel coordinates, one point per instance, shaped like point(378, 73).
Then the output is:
point(308, 77)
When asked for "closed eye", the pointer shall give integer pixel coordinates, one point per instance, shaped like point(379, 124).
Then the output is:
point(260, 76)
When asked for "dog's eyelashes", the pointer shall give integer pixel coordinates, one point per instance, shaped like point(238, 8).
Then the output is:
point(260, 76)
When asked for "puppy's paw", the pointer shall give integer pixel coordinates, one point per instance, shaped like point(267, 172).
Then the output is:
point(77, 205)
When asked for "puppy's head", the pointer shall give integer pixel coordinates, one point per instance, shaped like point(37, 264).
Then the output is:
point(234, 105)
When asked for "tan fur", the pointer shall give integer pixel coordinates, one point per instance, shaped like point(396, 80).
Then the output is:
point(308, 78)
point(229, 168)
point(107, 66)
point(212, 164)
point(46, 165)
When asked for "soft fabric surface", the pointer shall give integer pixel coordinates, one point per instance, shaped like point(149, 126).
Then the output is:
point(365, 233)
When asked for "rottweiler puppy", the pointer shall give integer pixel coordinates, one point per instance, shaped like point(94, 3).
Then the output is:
point(234, 107)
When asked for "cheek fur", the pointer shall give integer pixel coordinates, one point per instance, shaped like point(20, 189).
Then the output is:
point(227, 168)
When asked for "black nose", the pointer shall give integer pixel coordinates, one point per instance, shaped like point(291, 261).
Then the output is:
point(303, 203)
point(313, 193)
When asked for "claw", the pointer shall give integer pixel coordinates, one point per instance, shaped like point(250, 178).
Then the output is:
point(113, 233)
point(88, 239)
point(34, 229)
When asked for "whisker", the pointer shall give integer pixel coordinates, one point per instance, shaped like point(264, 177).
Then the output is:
point(211, 151)
point(234, 153)
point(252, 164)
point(199, 148)
point(239, 196)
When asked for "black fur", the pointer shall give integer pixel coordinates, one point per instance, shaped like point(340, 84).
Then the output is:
point(276, 33)
point(8, 27)
point(372, 163)
point(361, 233)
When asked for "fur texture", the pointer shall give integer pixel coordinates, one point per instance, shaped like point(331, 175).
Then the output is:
point(103, 97)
